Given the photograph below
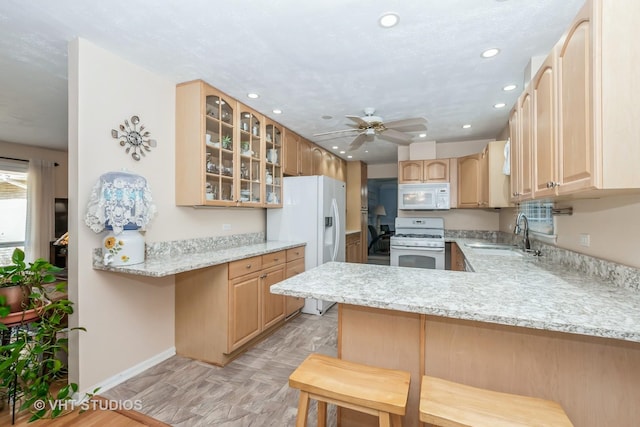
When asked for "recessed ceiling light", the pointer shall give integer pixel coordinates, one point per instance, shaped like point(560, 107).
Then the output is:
point(349, 157)
point(389, 20)
point(499, 105)
point(366, 151)
point(423, 135)
point(253, 95)
point(490, 52)
point(277, 111)
point(509, 87)
point(342, 152)
point(466, 126)
point(327, 117)
point(335, 147)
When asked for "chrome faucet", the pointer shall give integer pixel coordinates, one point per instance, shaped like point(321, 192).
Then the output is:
point(526, 245)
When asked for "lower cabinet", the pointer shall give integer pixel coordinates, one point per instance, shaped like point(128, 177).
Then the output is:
point(295, 265)
point(354, 248)
point(457, 258)
point(221, 310)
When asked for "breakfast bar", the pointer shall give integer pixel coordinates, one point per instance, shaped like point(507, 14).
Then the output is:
point(516, 324)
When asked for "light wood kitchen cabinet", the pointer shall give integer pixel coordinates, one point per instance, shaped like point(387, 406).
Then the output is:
point(295, 266)
point(470, 180)
point(544, 130)
point(306, 162)
point(317, 160)
point(354, 247)
point(291, 158)
point(357, 203)
point(418, 171)
point(273, 306)
point(206, 146)
point(226, 153)
point(481, 183)
point(223, 309)
point(457, 258)
point(244, 310)
point(514, 149)
point(273, 140)
point(583, 107)
point(523, 147)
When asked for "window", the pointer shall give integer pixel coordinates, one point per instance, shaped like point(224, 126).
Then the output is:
point(13, 207)
point(539, 214)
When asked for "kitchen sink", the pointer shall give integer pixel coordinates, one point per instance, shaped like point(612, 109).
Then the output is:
point(511, 252)
point(488, 245)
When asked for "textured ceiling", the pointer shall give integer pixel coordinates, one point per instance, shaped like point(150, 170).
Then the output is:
point(309, 58)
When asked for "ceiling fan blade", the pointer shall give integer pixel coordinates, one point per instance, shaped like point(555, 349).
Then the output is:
point(408, 125)
point(334, 131)
point(395, 136)
point(358, 120)
point(357, 142)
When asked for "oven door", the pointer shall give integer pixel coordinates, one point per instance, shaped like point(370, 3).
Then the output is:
point(432, 258)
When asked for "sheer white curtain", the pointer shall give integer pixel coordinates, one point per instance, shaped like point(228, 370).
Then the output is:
point(40, 209)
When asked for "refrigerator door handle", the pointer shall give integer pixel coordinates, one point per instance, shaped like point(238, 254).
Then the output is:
point(336, 225)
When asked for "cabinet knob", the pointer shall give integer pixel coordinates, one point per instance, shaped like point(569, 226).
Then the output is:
point(248, 265)
point(276, 259)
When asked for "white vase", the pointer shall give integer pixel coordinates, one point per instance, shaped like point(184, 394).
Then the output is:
point(126, 248)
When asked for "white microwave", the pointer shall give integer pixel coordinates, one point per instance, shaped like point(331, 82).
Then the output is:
point(432, 196)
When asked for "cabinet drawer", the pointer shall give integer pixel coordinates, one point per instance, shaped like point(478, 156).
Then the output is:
point(294, 268)
point(275, 258)
point(244, 266)
point(295, 253)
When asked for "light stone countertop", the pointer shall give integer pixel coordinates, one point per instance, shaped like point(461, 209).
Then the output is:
point(347, 232)
point(524, 291)
point(166, 265)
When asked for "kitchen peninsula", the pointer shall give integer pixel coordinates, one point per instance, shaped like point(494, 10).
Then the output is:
point(517, 324)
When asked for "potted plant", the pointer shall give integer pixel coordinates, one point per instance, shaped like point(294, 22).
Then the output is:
point(31, 353)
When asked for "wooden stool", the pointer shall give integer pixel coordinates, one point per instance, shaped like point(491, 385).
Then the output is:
point(376, 391)
point(448, 404)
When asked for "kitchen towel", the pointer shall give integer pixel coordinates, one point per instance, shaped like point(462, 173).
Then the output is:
point(506, 168)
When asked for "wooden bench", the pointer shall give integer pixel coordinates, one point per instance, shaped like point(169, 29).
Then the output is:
point(449, 404)
point(376, 391)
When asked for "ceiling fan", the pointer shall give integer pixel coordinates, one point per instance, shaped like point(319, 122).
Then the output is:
point(370, 126)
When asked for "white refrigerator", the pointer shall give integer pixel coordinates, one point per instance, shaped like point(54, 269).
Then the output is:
point(314, 211)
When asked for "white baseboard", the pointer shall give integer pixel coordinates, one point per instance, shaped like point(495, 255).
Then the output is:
point(131, 372)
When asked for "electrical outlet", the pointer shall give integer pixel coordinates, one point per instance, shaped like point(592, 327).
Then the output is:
point(226, 227)
point(585, 240)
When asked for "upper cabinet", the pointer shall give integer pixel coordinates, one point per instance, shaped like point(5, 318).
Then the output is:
point(206, 146)
point(226, 153)
point(418, 171)
point(470, 181)
point(252, 174)
point(291, 156)
point(273, 140)
point(544, 130)
point(580, 107)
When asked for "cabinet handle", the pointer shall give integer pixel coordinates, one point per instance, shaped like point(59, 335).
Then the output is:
point(263, 276)
point(276, 259)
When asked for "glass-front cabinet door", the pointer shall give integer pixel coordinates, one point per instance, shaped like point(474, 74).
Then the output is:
point(273, 173)
point(250, 164)
point(219, 162)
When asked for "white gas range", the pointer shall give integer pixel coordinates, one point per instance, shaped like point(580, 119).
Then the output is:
point(419, 243)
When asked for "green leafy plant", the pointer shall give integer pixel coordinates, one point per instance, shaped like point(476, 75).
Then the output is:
point(30, 361)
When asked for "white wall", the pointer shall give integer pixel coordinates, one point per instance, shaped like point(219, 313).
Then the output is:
point(129, 319)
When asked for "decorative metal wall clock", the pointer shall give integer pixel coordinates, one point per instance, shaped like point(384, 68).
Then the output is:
point(135, 139)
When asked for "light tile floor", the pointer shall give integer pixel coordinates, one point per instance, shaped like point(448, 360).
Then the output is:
point(252, 390)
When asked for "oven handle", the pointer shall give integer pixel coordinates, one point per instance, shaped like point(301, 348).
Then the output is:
point(417, 248)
